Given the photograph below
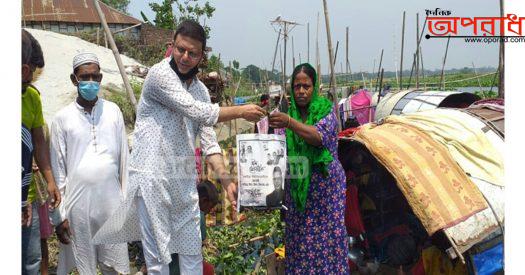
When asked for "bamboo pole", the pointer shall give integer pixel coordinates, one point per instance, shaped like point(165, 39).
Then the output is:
point(346, 60)
point(422, 68)
point(117, 56)
point(293, 54)
point(275, 52)
point(128, 28)
point(443, 67)
point(379, 70)
point(380, 84)
point(284, 62)
point(412, 70)
point(317, 59)
point(417, 50)
point(308, 38)
point(476, 75)
point(335, 58)
point(402, 48)
point(333, 86)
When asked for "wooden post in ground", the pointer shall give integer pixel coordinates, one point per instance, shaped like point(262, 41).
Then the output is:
point(317, 60)
point(380, 84)
point(127, 85)
point(332, 65)
point(346, 60)
point(476, 75)
point(441, 81)
point(293, 54)
point(402, 48)
point(275, 52)
point(417, 50)
point(422, 68)
point(308, 38)
point(379, 70)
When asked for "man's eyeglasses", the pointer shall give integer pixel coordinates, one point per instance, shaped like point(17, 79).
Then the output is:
point(193, 55)
point(90, 77)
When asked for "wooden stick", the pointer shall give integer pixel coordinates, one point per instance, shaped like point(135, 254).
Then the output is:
point(117, 56)
point(476, 75)
point(412, 70)
point(128, 28)
point(379, 70)
point(501, 66)
point(417, 50)
point(333, 86)
point(380, 84)
point(443, 67)
point(308, 38)
point(335, 57)
point(317, 60)
point(275, 52)
point(422, 67)
point(456, 249)
point(402, 48)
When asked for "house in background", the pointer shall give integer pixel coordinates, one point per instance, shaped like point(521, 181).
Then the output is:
point(73, 16)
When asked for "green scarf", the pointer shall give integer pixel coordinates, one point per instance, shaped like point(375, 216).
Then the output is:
point(320, 157)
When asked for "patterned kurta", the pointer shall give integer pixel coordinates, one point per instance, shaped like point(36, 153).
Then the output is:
point(315, 238)
point(162, 168)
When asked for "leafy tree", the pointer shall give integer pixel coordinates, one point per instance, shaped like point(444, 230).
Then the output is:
point(214, 64)
point(252, 73)
point(187, 9)
point(121, 5)
point(235, 64)
point(164, 17)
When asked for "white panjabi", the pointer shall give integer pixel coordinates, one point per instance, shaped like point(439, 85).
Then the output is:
point(89, 154)
point(170, 116)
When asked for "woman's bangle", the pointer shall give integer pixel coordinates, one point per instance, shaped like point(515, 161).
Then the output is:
point(288, 124)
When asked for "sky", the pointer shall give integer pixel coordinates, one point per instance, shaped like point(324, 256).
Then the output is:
point(241, 30)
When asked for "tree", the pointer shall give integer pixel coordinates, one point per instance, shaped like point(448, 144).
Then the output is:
point(214, 64)
point(235, 64)
point(121, 5)
point(188, 9)
point(252, 73)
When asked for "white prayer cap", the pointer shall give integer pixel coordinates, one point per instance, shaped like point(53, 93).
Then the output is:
point(83, 58)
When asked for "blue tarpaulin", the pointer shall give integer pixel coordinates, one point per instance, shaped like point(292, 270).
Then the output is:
point(489, 261)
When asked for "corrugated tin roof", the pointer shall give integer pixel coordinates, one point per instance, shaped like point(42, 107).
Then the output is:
point(80, 11)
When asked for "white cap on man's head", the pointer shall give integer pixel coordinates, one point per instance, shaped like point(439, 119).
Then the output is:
point(84, 58)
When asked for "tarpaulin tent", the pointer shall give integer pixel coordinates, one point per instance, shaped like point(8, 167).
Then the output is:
point(437, 159)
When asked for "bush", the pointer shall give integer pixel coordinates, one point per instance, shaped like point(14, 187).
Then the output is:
point(120, 98)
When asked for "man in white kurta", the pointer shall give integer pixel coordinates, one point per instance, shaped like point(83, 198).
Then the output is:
point(88, 155)
point(161, 207)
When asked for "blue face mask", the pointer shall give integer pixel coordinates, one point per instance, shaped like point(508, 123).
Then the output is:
point(88, 89)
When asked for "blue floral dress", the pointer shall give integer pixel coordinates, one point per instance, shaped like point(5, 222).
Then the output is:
point(315, 238)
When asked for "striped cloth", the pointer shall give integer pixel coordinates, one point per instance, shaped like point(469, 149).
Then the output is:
point(27, 165)
point(439, 192)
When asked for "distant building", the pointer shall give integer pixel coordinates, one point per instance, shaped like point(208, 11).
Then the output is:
point(72, 16)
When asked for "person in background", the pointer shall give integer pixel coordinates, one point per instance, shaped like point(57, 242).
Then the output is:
point(27, 157)
point(89, 152)
point(33, 120)
point(315, 196)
